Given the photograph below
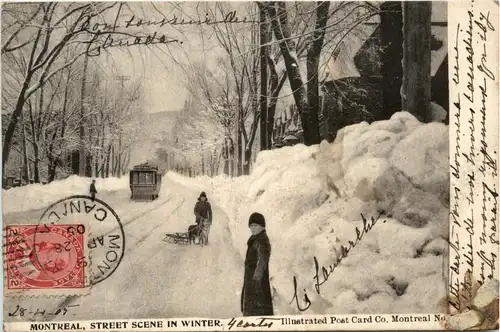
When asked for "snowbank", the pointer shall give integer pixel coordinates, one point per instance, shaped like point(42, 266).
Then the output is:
point(313, 198)
point(38, 196)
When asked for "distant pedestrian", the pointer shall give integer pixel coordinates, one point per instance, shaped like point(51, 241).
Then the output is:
point(92, 190)
point(256, 299)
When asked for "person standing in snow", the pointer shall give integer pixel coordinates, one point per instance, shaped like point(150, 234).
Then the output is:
point(92, 190)
point(203, 211)
point(256, 299)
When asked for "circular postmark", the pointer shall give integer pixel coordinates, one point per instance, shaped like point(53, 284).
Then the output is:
point(104, 238)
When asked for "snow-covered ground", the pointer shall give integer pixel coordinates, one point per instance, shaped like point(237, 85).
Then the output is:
point(312, 198)
point(38, 196)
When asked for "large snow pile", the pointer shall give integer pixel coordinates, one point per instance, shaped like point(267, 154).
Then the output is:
point(38, 196)
point(313, 198)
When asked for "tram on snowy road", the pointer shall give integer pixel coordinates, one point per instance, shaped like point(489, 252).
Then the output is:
point(145, 182)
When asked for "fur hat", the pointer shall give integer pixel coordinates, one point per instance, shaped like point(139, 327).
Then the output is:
point(257, 218)
point(202, 195)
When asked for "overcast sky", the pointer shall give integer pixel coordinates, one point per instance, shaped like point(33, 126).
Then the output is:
point(162, 68)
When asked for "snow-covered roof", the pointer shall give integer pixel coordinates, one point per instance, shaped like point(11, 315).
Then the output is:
point(343, 65)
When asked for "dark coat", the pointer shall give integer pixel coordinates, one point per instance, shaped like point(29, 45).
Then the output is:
point(256, 299)
point(202, 210)
point(92, 189)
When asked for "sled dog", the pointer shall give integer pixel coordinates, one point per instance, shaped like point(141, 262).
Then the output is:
point(203, 232)
point(193, 233)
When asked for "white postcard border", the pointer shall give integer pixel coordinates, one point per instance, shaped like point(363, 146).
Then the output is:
point(458, 13)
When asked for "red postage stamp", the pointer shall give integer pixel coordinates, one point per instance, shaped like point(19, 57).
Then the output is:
point(45, 258)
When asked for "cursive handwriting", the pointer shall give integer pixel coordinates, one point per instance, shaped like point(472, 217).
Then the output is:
point(243, 323)
point(490, 196)
point(488, 162)
point(490, 263)
point(20, 311)
point(456, 66)
point(229, 18)
point(485, 26)
point(470, 59)
point(327, 271)
point(105, 35)
point(98, 43)
point(473, 238)
point(455, 167)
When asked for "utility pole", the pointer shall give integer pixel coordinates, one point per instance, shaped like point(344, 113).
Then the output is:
point(122, 79)
point(263, 31)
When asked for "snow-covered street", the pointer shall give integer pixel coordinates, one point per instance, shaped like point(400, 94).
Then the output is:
point(155, 278)
point(312, 199)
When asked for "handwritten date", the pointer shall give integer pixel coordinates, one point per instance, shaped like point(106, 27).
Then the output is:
point(20, 311)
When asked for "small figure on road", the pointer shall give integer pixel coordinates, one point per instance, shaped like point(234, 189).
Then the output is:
point(92, 190)
point(203, 212)
point(256, 299)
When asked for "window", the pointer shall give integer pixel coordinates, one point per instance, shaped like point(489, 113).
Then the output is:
point(143, 178)
point(148, 178)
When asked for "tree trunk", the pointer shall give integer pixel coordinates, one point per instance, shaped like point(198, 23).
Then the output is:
point(264, 39)
point(225, 154)
point(391, 35)
point(120, 153)
point(26, 168)
point(113, 159)
point(51, 171)
point(248, 158)
point(239, 143)
point(279, 23)
point(417, 59)
point(276, 86)
point(36, 164)
point(107, 161)
point(82, 166)
point(103, 154)
point(312, 136)
point(126, 161)
point(9, 133)
point(202, 160)
point(88, 165)
point(21, 100)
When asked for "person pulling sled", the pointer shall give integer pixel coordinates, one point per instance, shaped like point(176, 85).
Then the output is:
point(203, 213)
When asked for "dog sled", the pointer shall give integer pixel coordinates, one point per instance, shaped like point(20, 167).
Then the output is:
point(194, 232)
point(177, 238)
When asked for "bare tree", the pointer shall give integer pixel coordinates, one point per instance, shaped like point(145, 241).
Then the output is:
point(54, 27)
point(297, 37)
point(35, 39)
point(243, 60)
point(311, 134)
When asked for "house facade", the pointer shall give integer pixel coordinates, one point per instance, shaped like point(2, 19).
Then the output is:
point(365, 77)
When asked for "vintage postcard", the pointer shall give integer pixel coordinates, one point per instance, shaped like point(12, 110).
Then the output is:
point(250, 165)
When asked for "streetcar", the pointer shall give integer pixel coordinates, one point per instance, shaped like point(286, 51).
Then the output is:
point(145, 182)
